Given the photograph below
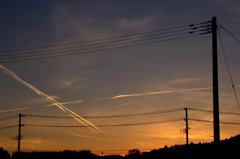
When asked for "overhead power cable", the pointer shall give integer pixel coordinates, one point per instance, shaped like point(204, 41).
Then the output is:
point(102, 43)
point(8, 118)
point(104, 39)
point(231, 34)
point(209, 121)
point(210, 111)
point(29, 58)
point(111, 125)
point(7, 127)
point(228, 69)
point(111, 116)
point(86, 47)
point(91, 46)
point(131, 40)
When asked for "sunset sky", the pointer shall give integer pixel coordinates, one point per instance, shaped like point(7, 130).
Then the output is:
point(163, 76)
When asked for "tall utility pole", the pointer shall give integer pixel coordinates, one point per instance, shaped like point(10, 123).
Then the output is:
point(19, 131)
point(186, 119)
point(215, 81)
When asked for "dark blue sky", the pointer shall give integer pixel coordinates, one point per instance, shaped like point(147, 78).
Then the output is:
point(27, 20)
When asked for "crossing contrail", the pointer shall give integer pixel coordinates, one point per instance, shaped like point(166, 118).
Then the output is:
point(65, 103)
point(53, 101)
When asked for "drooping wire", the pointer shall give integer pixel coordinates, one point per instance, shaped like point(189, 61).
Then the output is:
point(103, 46)
point(86, 47)
point(7, 127)
point(209, 121)
point(8, 118)
point(231, 34)
point(111, 116)
point(103, 42)
point(228, 69)
point(96, 40)
point(112, 125)
point(210, 111)
point(94, 51)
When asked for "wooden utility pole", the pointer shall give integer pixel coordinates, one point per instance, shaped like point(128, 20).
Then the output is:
point(216, 126)
point(186, 119)
point(19, 131)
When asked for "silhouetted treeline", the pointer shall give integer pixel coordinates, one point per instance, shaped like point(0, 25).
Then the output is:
point(85, 154)
point(229, 147)
point(4, 154)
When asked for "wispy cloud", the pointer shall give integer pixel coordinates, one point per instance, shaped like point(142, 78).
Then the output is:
point(154, 93)
point(160, 92)
point(136, 23)
point(88, 137)
point(232, 6)
point(183, 80)
point(13, 110)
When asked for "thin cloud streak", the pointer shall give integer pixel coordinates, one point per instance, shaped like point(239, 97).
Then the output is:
point(13, 110)
point(153, 93)
point(31, 107)
point(89, 137)
point(161, 92)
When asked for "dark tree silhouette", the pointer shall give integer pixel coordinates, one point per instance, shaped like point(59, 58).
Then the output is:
point(4, 154)
point(227, 147)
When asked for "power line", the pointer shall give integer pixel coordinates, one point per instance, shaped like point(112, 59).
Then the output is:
point(231, 34)
point(111, 116)
point(95, 51)
point(112, 125)
point(209, 121)
point(87, 47)
point(210, 111)
point(229, 71)
point(107, 45)
point(90, 46)
point(7, 118)
point(7, 127)
point(101, 43)
point(102, 39)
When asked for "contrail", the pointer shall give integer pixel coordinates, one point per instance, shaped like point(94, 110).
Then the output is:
point(53, 101)
point(89, 137)
point(65, 103)
point(24, 107)
point(161, 92)
point(13, 110)
point(154, 93)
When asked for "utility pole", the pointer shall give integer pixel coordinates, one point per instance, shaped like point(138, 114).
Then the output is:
point(19, 131)
point(216, 127)
point(186, 119)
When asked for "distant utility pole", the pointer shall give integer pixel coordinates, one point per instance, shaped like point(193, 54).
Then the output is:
point(19, 130)
point(186, 119)
point(215, 81)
